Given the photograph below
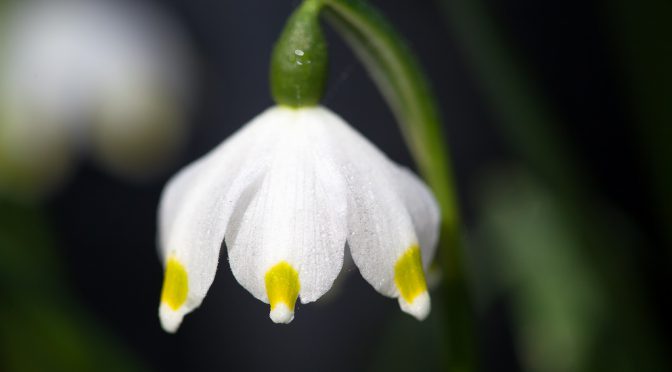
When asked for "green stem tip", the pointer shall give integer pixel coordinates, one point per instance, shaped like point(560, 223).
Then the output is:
point(299, 62)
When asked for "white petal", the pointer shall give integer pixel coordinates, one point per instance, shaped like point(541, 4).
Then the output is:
point(424, 211)
point(196, 206)
point(281, 313)
point(382, 238)
point(297, 218)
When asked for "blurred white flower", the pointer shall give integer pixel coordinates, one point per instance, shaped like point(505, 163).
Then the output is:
point(110, 77)
point(286, 193)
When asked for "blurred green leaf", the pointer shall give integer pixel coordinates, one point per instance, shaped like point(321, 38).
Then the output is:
point(42, 328)
point(571, 311)
point(407, 345)
point(567, 258)
point(528, 119)
point(557, 299)
point(641, 33)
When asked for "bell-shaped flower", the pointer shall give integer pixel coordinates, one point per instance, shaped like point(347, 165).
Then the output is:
point(288, 194)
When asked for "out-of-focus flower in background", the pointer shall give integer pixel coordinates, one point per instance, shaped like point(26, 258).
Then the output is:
point(109, 78)
point(286, 193)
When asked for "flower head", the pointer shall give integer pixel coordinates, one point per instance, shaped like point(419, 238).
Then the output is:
point(288, 193)
point(109, 78)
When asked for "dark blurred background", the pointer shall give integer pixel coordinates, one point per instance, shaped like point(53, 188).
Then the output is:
point(558, 119)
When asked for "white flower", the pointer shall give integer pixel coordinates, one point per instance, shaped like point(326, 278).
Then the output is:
point(286, 193)
point(111, 78)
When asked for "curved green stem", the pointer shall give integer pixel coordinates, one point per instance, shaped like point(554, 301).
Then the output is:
point(398, 75)
point(396, 72)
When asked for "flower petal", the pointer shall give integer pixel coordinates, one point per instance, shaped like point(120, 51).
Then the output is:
point(290, 240)
point(195, 209)
point(424, 211)
point(382, 238)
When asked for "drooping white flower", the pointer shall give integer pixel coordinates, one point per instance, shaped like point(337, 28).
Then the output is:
point(288, 193)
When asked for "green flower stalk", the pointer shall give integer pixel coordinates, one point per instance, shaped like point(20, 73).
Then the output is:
point(397, 73)
point(299, 61)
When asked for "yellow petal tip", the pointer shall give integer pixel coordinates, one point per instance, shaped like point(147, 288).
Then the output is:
point(409, 277)
point(282, 288)
point(175, 285)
